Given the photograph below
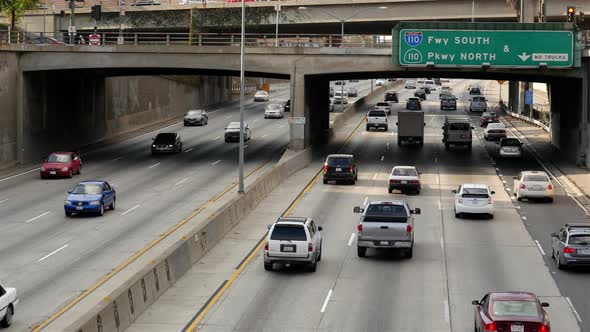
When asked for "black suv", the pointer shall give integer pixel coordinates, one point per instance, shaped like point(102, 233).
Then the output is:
point(420, 94)
point(391, 96)
point(166, 143)
point(340, 167)
point(413, 104)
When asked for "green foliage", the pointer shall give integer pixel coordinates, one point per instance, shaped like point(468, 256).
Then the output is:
point(14, 8)
point(229, 18)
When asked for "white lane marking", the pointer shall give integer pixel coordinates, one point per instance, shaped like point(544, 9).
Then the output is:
point(133, 208)
point(154, 165)
point(578, 318)
point(218, 137)
point(524, 218)
point(382, 157)
point(118, 158)
point(447, 314)
point(366, 200)
point(439, 205)
point(500, 175)
point(245, 146)
point(326, 301)
point(375, 176)
point(504, 181)
point(351, 239)
point(189, 150)
point(508, 189)
point(19, 174)
point(442, 242)
point(39, 216)
point(54, 252)
point(181, 181)
point(215, 163)
point(387, 147)
point(4, 200)
point(263, 136)
point(229, 116)
point(540, 248)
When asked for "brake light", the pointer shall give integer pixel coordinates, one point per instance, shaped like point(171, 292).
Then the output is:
point(522, 186)
point(351, 168)
point(409, 228)
point(266, 246)
point(568, 250)
point(359, 227)
point(550, 187)
point(490, 327)
point(414, 181)
point(393, 181)
point(325, 167)
point(309, 247)
point(543, 328)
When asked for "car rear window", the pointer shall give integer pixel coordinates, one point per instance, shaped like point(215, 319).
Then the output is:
point(404, 172)
point(536, 178)
point(59, 158)
point(166, 137)
point(377, 113)
point(376, 212)
point(274, 107)
point(478, 99)
point(382, 104)
point(515, 308)
point(580, 239)
point(288, 232)
point(459, 126)
point(339, 161)
point(475, 193)
point(510, 142)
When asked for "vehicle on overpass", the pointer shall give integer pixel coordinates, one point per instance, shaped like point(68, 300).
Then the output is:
point(340, 97)
point(533, 185)
point(478, 104)
point(474, 199)
point(340, 167)
point(391, 97)
point(448, 101)
point(511, 311)
point(413, 104)
point(405, 179)
point(196, 118)
point(386, 225)
point(380, 82)
point(340, 83)
point(376, 119)
point(410, 84)
point(61, 164)
point(457, 132)
point(261, 95)
point(90, 197)
point(494, 131)
point(351, 91)
point(293, 241)
point(419, 93)
point(8, 303)
point(273, 111)
point(488, 117)
point(509, 148)
point(410, 127)
point(166, 143)
point(232, 132)
point(382, 106)
point(571, 245)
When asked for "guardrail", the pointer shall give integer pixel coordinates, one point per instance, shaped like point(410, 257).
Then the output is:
point(529, 120)
point(196, 39)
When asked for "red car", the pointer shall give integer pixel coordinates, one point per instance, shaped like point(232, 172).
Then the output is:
point(61, 164)
point(511, 312)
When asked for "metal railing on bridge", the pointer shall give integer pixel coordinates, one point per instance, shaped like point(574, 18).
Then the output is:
point(197, 39)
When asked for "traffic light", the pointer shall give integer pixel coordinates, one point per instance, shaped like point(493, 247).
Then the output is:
point(570, 13)
point(96, 12)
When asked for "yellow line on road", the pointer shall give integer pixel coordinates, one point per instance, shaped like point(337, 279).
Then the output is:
point(192, 327)
point(37, 328)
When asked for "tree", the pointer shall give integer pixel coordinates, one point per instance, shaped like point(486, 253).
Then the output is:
point(14, 8)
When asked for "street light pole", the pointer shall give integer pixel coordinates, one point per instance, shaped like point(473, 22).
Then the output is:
point(72, 22)
point(473, 11)
point(277, 24)
point(242, 88)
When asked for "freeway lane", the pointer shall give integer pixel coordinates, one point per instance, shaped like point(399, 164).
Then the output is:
point(455, 260)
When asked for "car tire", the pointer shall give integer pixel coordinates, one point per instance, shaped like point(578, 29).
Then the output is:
point(550, 199)
point(7, 320)
point(552, 253)
point(68, 214)
point(417, 192)
point(313, 266)
point(361, 251)
point(469, 146)
point(112, 206)
point(268, 266)
point(79, 170)
point(325, 181)
point(559, 265)
point(386, 128)
point(518, 198)
point(320, 254)
point(491, 216)
point(71, 174)
point(368, 128)
point(43, 177)
point(399, 142)
point(101, 212)
point(410, 252)
point(447, 146)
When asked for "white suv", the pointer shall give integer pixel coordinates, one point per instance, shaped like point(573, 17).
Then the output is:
point(293, 241)
point(474, 199)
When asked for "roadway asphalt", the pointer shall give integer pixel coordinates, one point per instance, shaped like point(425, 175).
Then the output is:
point(50, 258)
point(455, 260)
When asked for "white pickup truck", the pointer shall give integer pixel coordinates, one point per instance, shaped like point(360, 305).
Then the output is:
point(377, 119)
point(386, 225)
point(383, 106)
point(8, 302)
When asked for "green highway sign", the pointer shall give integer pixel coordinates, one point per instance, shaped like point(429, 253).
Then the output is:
point(493, 48)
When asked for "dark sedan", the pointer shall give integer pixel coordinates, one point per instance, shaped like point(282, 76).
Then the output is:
point(420, 94)
point(196, 118)
point(167, 143)
point(511, 311)
point(488, 117)
point(413, 104)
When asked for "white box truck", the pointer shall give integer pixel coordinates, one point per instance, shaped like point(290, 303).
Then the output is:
point(410, 127)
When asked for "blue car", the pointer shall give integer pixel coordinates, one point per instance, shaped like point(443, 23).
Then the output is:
point(90, 197)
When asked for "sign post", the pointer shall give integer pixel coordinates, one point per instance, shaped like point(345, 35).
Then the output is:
point(486, 48)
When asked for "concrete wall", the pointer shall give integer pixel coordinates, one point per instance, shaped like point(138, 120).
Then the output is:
point(8, 110)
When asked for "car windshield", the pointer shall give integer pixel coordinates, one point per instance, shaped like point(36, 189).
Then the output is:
point(88, 189)
point(288, 232)
point(475, 193)
point(274, 107)
point(339, 161)
point(377, 113)
point(165, 138)
point(459, 126)
point(515, 308)
point(510, 142)
point(580, 239)
point(536, 178)
point(404, 172)
point(194, 113)
point(59, 158)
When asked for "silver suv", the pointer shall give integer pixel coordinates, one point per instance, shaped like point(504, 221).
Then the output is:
point(293, 241)
point(571, 245)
